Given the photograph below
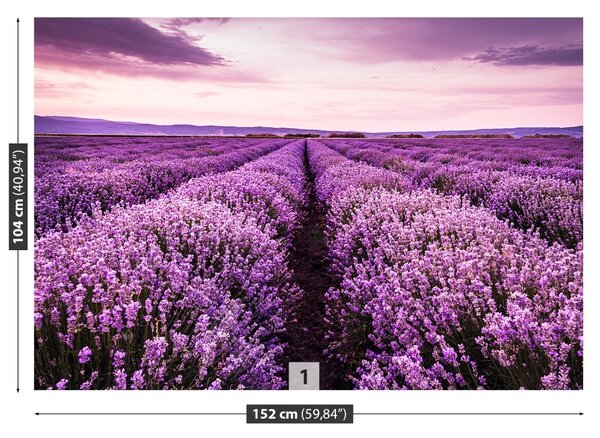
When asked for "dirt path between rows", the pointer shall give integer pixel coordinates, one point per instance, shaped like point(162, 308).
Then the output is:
point(308, 260)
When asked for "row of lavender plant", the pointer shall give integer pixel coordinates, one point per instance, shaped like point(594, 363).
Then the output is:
point(72, 154)
point(62, 199)
point(552, 155)
point(188, 291)
point(550, 205)
point(437, 294)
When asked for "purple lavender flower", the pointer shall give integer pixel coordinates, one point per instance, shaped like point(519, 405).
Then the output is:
point(62, 384)
point(85, 355)
point(119, 358)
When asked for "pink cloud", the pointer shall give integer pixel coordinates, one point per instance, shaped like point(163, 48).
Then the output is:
point(133, 67)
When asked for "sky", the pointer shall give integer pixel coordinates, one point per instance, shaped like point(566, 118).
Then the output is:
point(383, 74)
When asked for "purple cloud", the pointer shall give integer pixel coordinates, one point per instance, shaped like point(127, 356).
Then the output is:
point(175, 26)
point(532, 55)
point(431, 39)
point(118, 39)
point(180, 22)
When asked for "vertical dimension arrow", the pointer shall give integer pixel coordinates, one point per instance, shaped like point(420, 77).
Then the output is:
point(18, 273)
point(17, 209)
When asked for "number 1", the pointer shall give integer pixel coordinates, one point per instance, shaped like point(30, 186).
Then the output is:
point(305, 374)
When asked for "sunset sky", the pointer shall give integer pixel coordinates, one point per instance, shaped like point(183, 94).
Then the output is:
point(343, 74)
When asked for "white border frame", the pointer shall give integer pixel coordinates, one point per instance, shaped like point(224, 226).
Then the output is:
point(20, 408)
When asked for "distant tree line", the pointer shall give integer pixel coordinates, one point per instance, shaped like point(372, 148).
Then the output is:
point(405, 136)
point(474, 136)
point(548, 136)
point(346, 135)
point(302, 135)
point(263, 135)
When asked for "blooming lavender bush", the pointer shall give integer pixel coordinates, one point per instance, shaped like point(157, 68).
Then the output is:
point(70, 192)
point(191, 290)
point(519, 180)
point(436, 294)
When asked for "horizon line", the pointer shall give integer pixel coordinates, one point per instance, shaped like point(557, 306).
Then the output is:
point(311, 129)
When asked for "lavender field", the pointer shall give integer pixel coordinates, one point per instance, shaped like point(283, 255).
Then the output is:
point(210, 263)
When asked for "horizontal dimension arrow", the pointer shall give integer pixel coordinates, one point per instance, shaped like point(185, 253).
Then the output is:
point(356, 413)
point(468, 413)
point(140, 413)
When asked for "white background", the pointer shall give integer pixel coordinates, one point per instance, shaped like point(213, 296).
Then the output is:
point(18, 410)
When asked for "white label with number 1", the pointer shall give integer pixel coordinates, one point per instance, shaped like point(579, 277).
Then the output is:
point(303, 375)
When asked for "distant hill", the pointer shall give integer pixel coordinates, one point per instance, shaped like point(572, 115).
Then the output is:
point(573, 131)
point(79, 125)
